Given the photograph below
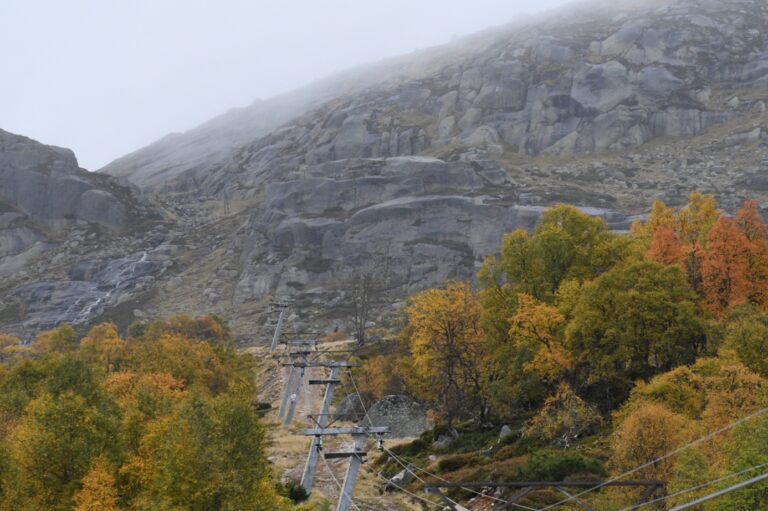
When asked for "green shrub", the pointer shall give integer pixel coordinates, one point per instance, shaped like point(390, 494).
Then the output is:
point(557, 465)
point(294, 491)
point(411, 449)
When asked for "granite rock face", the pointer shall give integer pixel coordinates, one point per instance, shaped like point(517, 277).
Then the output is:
point(49, 207)
point(45, 184)
point(417, 221)
point(90, 288)
point(591, 83)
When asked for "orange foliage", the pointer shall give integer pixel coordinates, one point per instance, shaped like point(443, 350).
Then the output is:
point(666, 247)
point(725, 267)
point(751, 224)
point(378, 377)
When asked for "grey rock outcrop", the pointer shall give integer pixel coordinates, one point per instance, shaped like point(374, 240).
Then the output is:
point(418, 220)
point(45, 184)
point(399, 480)
point(49, 208)
point(92, 287)
point(404, 417)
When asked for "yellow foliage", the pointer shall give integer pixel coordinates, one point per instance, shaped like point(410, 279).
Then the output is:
point(661, 216)
point(563, 418)
point(447, 350)
point(127, 386)
point(98, 492)
point(102, 345)
point(11, 348)
point(62, 339)
point(535, 322)
point(378, 377)
point(648, 432)
point(187, 360)
point(697, 218)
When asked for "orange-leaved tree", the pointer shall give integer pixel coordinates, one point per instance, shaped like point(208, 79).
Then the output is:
point(725, 267)
point(667, 247)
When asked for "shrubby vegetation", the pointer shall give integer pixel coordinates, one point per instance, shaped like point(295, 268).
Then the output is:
point(161, 420)
point(649, 339)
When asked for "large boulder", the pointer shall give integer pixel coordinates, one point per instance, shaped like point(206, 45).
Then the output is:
point(404, 416)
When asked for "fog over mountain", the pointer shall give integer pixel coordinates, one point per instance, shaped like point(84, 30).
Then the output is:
point(105, 78)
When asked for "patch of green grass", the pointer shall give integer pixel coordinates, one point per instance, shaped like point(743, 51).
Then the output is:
point(551, 465)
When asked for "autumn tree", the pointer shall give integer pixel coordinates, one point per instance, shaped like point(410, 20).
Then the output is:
point(10, 348)
point(563, 418)
point(566, 244)
point(679, 237)
point(649, 432)
point(189, 360)
point(447, 351)
point(631, 323)
point(379, 376)
point(726, 266)
point(683, 403)
point(534, 349)
point(164, 421)
point(572, 244)
point(62, 339)
point(661, 216)
point(51, 450)
point(207, 454)
point(751, 224)
point(538, 326)
point(666, 247)
point(694, 221)
point(103, 346)
point(567, 247)
point(98, 492)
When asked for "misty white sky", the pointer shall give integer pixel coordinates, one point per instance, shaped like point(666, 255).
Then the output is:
point(107, 77)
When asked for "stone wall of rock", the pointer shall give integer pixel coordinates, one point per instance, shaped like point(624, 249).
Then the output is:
point(45, 184)
point(404, 416)
point(414, 221)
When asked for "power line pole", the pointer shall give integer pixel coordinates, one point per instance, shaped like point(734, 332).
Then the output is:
point(298, 358)
point(308, 476)
point(293, 385)
point(283, 308)
point(355, 456)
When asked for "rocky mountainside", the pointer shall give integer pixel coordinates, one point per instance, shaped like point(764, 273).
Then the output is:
point(415, 169)
point(50, 209)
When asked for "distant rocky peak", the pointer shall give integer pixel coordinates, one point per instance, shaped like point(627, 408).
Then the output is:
point(24, 154)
